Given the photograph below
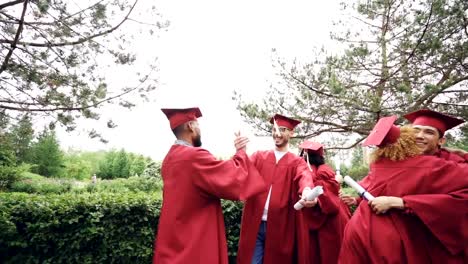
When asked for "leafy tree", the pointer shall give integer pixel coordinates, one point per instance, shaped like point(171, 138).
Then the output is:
point(138, 164)
point(7, 157)
point(47, 156)
point(357, 157)
point(77, 168)
point(22, 135)
point(461, 142)
point(399, 56)
point(53, 55)
point(122, 164)
point(153, 169)
point(9, 173)
point(106, 166)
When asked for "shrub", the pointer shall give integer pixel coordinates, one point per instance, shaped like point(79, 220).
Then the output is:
point(70, 228)
point(8, 176)
point(232, 219)
point(42, 186)
point(89, 227)
point(358, 172)
point(132, 184)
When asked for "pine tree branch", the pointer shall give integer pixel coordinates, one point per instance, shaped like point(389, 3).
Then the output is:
point(418, 42)
point(350, 146)
point(16, 21)
point(12, 3)
point(16, 40)
point(74, 108)
point(78, 41)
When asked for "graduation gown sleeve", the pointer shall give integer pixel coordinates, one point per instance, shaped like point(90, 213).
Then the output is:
point(233, 179)
point(450, 203)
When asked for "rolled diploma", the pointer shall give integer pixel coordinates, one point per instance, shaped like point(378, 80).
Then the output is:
point(311, 195)
point(361, 191)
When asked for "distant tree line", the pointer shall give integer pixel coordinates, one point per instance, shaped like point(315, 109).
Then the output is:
point(22, 148)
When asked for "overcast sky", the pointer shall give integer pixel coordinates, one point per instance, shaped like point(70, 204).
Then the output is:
point(210, 49)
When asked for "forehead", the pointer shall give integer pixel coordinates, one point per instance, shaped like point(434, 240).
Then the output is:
point(425, 128)
point(280, 127)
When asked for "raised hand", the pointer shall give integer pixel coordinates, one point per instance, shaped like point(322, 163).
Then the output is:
point(240, 142)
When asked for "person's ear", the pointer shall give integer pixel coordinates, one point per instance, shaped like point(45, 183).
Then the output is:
point(442, 141)
point(190, 126)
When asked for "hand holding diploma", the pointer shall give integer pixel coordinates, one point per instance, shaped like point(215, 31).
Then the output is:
point(360, 190)
point(382, 204)
point(309, 195)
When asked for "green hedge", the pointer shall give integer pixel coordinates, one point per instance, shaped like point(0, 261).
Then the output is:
point(42, 185)
point(88, 227)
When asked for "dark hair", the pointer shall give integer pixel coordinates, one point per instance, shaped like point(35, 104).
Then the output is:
point(178, 130)
point(315, 159)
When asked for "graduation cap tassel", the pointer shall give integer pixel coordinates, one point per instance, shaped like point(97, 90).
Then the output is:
point(307, 160)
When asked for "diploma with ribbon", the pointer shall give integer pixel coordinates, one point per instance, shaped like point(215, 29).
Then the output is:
point(309, 196)
point(360, 190)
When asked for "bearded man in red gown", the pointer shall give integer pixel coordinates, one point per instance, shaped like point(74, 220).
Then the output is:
point(191, 225)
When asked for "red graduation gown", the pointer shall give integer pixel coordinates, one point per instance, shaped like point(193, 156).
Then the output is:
point(446, 155)
point(191, 225)
point(326, 221)
point(433, 228)
point(288, 177)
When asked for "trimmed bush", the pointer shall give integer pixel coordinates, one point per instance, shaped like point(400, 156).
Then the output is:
point(133, 184)
point(46, 186)
point(86, 228)
point(89, 227)
point(232, 220)
point(8, 176)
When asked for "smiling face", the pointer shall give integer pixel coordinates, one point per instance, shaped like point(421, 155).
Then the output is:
point(282, 139)
point(428, 139)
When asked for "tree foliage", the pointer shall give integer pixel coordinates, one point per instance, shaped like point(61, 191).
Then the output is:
point(47, 156)
point(53, 56)
point(153, 169)
point(399, 56)
point(21, 137)
point(122, 164)
point(460, 142)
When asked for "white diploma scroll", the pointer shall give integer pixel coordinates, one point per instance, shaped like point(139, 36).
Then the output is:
point(309, 196)
point(360, 190)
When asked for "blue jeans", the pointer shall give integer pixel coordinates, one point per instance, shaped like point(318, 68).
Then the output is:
point(259, 244)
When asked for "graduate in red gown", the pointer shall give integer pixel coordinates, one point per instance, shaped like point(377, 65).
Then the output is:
point(269, 221)
point(191, 225)
point(328, 219)
point(431, 127)
point(419, 213)
point(430, 138)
